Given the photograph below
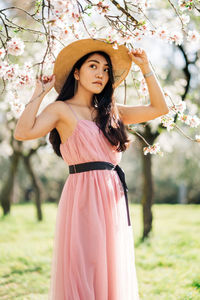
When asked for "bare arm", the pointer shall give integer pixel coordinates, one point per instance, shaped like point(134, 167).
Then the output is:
point(143, 113)
point(31, 127)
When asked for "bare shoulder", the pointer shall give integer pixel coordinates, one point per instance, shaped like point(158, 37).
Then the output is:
point(60, 108)
point(53, 107)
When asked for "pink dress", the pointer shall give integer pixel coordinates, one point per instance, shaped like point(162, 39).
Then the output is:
point(93, 253)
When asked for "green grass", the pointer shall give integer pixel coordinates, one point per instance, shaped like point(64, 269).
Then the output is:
point(167, 264)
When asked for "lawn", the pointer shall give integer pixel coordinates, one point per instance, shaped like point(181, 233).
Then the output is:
point(168, 264)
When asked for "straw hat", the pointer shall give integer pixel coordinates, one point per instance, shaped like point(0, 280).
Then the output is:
point(69, 55)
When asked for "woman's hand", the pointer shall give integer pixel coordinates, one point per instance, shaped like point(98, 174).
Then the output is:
point(44, 84)
point(139, 57)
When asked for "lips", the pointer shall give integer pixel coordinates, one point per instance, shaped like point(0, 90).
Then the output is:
point(98, 82)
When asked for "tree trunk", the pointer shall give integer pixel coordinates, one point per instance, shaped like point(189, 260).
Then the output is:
point(36, 185)
point(7, 190)
point(147, 197)
point(147, 185)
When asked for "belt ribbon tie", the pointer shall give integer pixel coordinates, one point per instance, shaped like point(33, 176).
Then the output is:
point(103, 165)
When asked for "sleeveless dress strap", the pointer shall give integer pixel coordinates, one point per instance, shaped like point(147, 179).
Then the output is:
point(72, 111)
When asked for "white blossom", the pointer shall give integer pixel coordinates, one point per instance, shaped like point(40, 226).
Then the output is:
point(176, 37)
point(192, 121)
point(193, 36)
point(167, 121)
point(17, 107)
point(2, 52)
point(15, 46)
point(154, 149)
point(162, 33)
point(185, 19)
point(178, 108)
point(185, 4)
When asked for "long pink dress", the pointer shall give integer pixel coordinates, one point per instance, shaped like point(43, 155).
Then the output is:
point(93, 254)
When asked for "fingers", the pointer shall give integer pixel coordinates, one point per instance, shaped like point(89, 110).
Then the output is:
point(136, 51)
point(45, 78)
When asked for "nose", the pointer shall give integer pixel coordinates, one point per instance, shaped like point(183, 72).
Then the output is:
point(99, 75)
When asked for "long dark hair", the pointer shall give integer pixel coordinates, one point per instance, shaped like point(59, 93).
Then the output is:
point(107, 118)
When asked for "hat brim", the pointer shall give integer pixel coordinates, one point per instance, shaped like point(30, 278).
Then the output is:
point(68, 56)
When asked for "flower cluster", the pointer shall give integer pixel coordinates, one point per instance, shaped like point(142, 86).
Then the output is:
point(65, 20)
point(154, 149)
point(192, 121)
point(168, 119)
point(13, 73)
point(185, 4)
point(15, 46)
point(170, 37)
point(17, 107)
point(62, 7)
point(103, 9)
point(176, 37)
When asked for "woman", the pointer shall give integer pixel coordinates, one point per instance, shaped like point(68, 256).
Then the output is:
point(93, 256)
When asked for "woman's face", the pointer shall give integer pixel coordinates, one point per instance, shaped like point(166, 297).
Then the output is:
point(94, 69)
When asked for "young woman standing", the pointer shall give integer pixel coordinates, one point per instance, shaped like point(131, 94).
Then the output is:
point(93, 255)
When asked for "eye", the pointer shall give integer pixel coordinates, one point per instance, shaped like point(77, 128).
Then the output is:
point(107, 69)
point(92, 65)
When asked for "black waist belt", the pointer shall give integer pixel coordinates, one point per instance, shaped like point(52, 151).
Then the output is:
point(103, 165)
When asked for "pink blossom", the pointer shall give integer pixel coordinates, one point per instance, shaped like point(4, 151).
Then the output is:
point(143, 87)
point(103, 9)
point(192, 121)
point(162, 33)
point(182, 117)
point(15, 46)
point(178, 108)
point(17, 107)
point(11, 72)
point(138, 34)
point(167, 121)
point(2, 52)
point(62, 6)
point(176, 37)
point(185, 4)
point(193, 36)
point(65, 33)
point(24, 77)
point(154, 149)
point(3, 68)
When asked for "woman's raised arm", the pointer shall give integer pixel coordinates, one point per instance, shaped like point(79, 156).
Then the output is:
point(157, 107)
point(28, 125)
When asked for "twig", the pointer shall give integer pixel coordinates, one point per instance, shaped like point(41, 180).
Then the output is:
point(172, 5)
point(82, 18)
point(183, 133)
point(138, 134)
point(125, 12)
